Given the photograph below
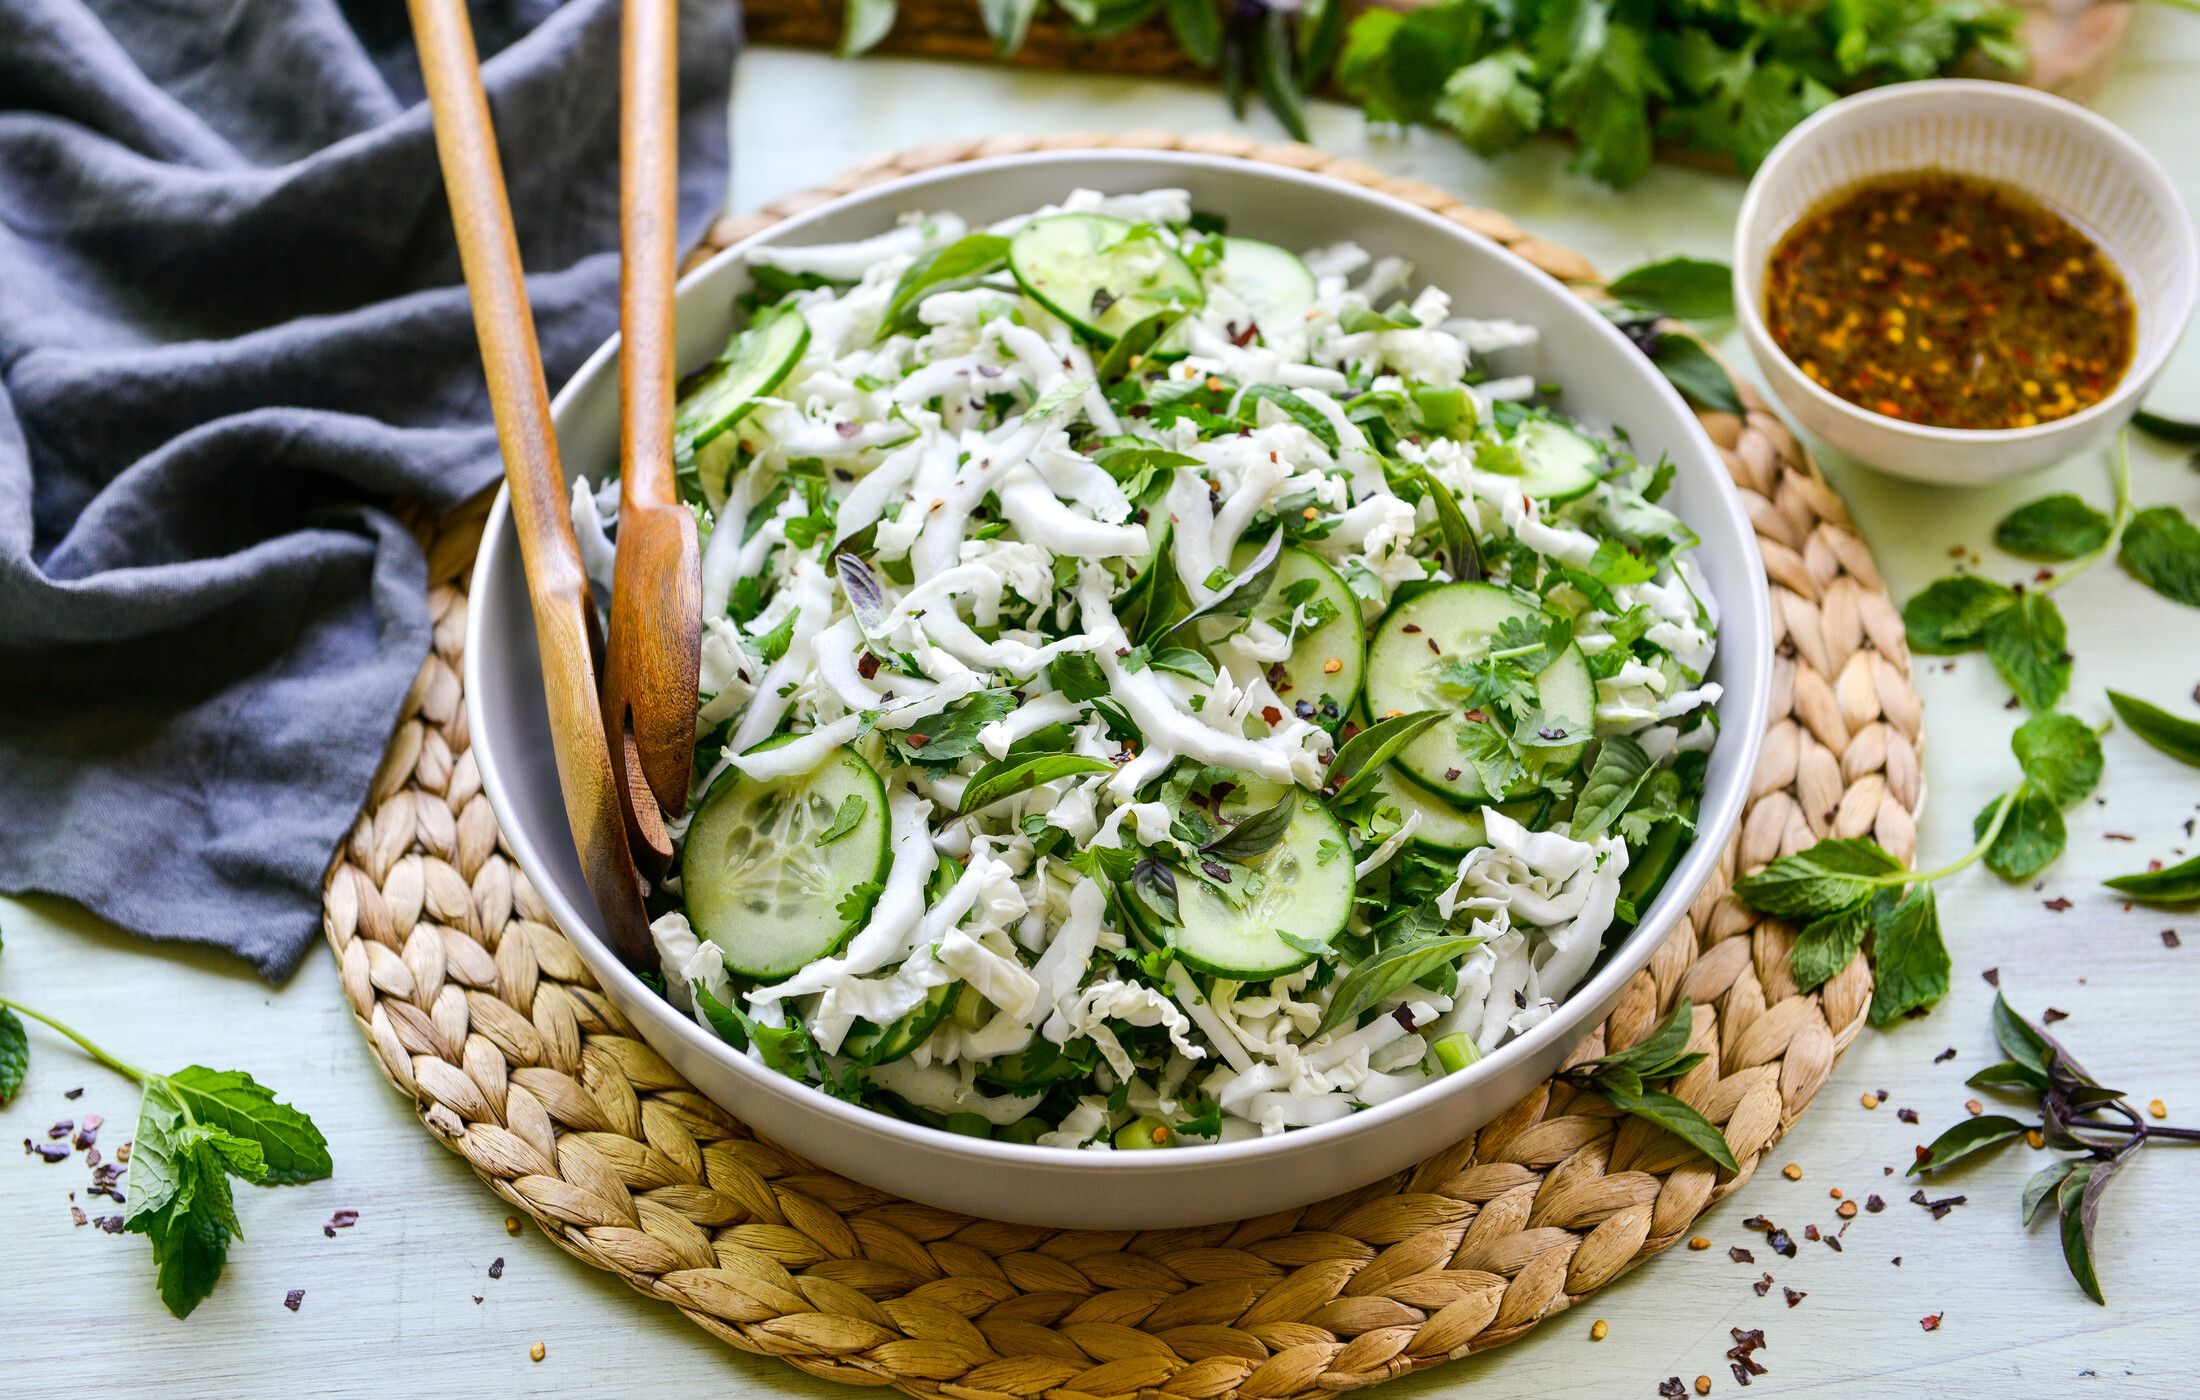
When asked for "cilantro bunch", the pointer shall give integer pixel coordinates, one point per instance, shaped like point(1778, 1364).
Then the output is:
point(196, 1129)
point(1719, 78)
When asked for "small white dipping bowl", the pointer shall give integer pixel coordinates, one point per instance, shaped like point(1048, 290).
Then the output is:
point(2078, 164)
point(1606, 380)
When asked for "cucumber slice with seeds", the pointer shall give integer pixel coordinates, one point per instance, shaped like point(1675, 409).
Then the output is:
point(1099, 274)
point(1302, 887)
point(721, 393)
point(1403, 671)
point(1341, 638)
point(1562, 462)
point(758, 884)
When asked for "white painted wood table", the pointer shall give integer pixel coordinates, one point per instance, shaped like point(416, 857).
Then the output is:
point(390, 1305)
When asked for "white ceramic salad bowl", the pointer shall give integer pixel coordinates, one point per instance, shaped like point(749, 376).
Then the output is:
point(1607, 381)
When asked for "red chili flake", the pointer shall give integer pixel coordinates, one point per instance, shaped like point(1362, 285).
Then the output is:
point(341, 1220)
point(2170, 938)
point(91, 1156)
point(293, 1298)
point(1992, 976)
point(847, 430)
point(915, 740)
point(2118, 836)
point(112, 1224)
point(85, 1137)
point(1403, 1015)
point(122, 1153)
point(1740, 1255)
point(61, 1129)
point(1874, 1203)
point(496, 1269)
point(1433, 647)
point(2057, 905)
point(1763, 1285)
point(1245, 337)
point(72, 1094)
point(93, 1122)
point(1219, 871)
point(1945, 1056)
point(1793, 1296)
point(2154, 865)
point(1939, 1208)
point(867, 665)
point(1410, 627)
point(1271, 714)
point(1451, 775)
point(1833, 1242)
point(477, 1297)
point(52, 1151)
point(2051, 1015)
point(76, 1213)
point(1930, 1321)
point(1671, 1389)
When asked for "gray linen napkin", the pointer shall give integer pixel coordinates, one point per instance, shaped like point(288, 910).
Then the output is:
point(232, 332)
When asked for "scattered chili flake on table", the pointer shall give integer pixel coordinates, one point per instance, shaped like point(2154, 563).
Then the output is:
point(1907, 1115)
point(1939, 1208)
point(2170, 938)
point(1763, 1285)
point(496, 1269)
point(1930, 1321)
point(1945, 1056)
point(1740, 1255)
point(1671, 1388)
point(341, 1220)
point(2059, 904)
point(1874, 1203)
point(1793, 1295)
point(293, 1298)
point(1943, 299)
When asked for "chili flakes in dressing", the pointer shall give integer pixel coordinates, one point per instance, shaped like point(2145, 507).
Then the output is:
point(1950, 301)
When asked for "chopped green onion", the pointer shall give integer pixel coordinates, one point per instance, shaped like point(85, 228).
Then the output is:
point(971, 1010)
point(1142, 1133)
point(1456, 1051)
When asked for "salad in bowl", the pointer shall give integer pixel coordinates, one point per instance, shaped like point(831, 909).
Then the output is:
point(1159, 688)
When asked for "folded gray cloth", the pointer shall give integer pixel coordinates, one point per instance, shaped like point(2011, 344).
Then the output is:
point(232, 332)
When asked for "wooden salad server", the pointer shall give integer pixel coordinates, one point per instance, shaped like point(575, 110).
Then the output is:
point(656, 634)
point(566, 631)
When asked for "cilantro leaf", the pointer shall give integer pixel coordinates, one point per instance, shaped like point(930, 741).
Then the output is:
point(2061, 526)
point(950, 736)
point(1492, 103)
point(2162, 550)
point(847, 819)
point(1952, 613)
point(2027, 644)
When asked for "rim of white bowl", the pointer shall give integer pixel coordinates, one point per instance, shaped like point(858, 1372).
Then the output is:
point(1697, 864)
point(1748, 276)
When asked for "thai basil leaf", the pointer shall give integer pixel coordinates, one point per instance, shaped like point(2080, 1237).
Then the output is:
point(1359, 763)
point(959, 263)
point(1255, 836)
point(1969, 1136)
point(1618, 772)
point(1004, 778)
point(2176, 884)
point(2172, 734)
point(1688, 289)
point(1400, 965)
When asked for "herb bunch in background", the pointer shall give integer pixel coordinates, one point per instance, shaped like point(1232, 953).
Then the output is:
point(2076, 1114)
point(1719, 78)
point(196, 1129)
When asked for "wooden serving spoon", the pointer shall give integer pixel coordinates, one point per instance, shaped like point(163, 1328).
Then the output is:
point(566, 630)
point(650, 668)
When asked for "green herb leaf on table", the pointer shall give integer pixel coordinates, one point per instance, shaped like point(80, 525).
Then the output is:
point(2175, 884)
point(2172, 734)
point(1828, 878)
point(1688, 289)
point(15, 1055)
point(2162, 550)
point(1826, 945)
point(1969, 1136)
point(1691, 369)
point(1909, 958)
point(2028, 645)
point(1492, 103)
point(2060, 757)
point(2030, 838)
point(1951, 614)
point(1197, 28)
point(1007, 22)
point(863, 24)
point(2182, 431)
point(2061, 526)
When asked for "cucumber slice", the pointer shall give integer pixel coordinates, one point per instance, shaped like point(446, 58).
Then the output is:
point(1301, 887)
point(1445, 828)
point(872, 1046)
point(720, 394)
point(1562, 462)
point(1402, 677)
point(1273, 281)
point(1649, 866)
point(757, 883)
point(1087, 270)
point(1342, 638)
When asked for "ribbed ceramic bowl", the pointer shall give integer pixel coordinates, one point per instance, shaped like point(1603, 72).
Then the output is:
point(1606, 380)
point(2076, 163)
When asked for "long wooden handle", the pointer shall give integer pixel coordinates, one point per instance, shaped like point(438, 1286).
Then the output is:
point(649, 83)
point(557, 585)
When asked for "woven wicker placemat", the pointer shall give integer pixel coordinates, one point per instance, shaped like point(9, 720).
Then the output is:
point(481, 1012)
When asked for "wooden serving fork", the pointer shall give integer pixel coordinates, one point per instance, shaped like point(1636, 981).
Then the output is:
point(566, 630)
point(655, 646)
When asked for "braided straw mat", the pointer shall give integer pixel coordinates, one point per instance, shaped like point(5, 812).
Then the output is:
point(482, 1012)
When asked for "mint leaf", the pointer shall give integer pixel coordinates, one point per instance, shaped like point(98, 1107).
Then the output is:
point(15, 1055)
point(294, 1149)
point(1952, 613)
point(1825, 946)
point(1689, 289)
point(2028, 646)
point(1830, 877)
point(2061, 526)
point(1908, 957)
point(2172, 734)
point(2060, 756)
point(2030, 837)
point(1619, 770)
point(189, 1250)
point(2162, 550)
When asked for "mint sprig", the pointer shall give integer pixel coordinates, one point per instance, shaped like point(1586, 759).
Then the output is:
point(196, 1129)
